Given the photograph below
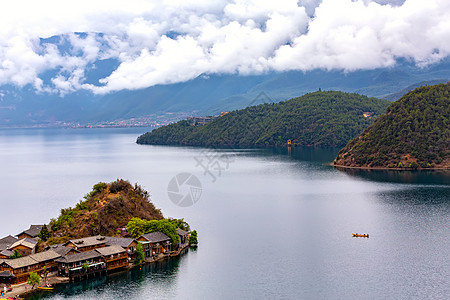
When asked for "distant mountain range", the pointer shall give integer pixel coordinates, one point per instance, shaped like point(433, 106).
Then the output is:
point(206, 94)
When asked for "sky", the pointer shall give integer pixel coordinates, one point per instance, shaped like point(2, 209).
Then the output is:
point(163, 42)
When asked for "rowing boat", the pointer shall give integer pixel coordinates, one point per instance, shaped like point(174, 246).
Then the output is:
point(45, 288)
point(360, 235)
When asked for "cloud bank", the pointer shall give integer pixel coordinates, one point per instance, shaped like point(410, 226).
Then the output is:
point(162, 42)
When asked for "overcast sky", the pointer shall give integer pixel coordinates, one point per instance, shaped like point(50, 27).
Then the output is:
point(160, 42)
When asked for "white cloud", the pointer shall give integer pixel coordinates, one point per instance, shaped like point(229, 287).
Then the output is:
point(160, 42)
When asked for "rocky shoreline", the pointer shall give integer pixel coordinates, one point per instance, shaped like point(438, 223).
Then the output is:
point(388, 169)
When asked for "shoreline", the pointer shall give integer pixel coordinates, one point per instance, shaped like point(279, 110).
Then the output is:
point(388, 169)
point(24, 289)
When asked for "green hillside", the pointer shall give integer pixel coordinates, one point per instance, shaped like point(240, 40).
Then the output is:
point(414, 133)
point(315, 119)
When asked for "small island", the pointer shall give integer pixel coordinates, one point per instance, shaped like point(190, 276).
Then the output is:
point(413, 134)
point(114, 228)
point(322, 118)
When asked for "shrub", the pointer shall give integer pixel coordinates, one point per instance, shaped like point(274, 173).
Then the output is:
point(193, 240)
point(119, 185)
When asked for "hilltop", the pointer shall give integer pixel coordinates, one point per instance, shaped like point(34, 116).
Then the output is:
point(317, 119)
point(106, 208)
point(413, 134)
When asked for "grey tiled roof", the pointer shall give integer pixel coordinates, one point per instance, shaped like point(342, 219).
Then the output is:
point(60, 249)
point(6, 252)
point(156, 237)
point(111, 250)
point(8, 239)
point(33, 230)
point(82, 256)
point(6, 274)
point(31, 259)
point(123, 242)
point(181, 231)
point(89, 241)
point(21, 262)
point(29, 243)
point(45, 256)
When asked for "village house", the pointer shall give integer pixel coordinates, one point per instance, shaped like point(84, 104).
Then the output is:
point(79, 258)
point(87, 243)
point(154, 243)
point(126, 243)
point(4, 245)
point(14, 271)
point(4, 254)
point(80, 265)
point(115, 257)
point(31, 232)
point(25, 246)
point(184, 238)
point(61, 249)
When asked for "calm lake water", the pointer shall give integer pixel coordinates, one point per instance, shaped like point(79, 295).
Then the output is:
point(274, 224)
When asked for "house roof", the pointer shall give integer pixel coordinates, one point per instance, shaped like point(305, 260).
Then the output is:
point(60, 249)
point(79, 257)
point(8, 239)
point(21, 262)
point(45, 256)
point(6, 274)
point(110, 250)
point(6, 252)
point(29, 243)
point(155, 237)
point(123, 242)
point(33, 230)
point(88, 241)
point(181, 231)
point(31, 259)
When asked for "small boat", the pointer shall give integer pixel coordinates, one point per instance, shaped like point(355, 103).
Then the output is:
point(45, 288)
point(360, 235)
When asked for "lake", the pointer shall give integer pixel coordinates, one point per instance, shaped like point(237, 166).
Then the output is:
point(272, 223)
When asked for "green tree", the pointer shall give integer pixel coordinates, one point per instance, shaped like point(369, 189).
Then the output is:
point(193, 241)
point(180, 223)
point(139, 254)
point(16, 254)
point(137, 227)
point(85, 267)
point(34, 279)
point(44, 234)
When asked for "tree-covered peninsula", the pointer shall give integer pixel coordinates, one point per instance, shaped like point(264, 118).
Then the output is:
point(317, 119)
point(107, 210)
point(413, 134)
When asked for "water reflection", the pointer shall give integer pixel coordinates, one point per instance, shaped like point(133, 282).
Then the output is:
point(161, 274)
point(316, 154)
point(412, 177)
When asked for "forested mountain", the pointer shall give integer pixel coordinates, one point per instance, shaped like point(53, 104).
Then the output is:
point(414, 133)
point(316, 119)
